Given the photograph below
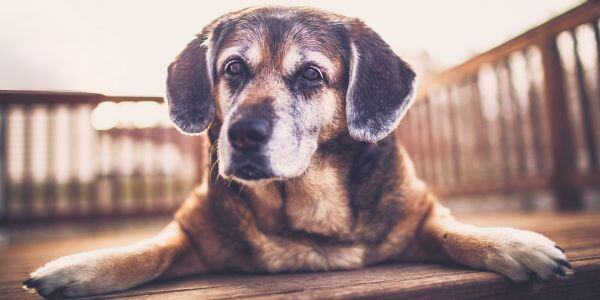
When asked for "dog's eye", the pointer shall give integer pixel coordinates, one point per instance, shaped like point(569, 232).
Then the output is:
point(234, 68)
point(312, 74)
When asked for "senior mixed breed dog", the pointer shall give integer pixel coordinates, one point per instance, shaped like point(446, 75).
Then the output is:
point(304, 173)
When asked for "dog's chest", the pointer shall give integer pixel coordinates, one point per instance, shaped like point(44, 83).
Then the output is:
point(318, 203)
point(315, 203)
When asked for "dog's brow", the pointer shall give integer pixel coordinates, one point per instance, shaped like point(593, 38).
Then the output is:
point(226, 53)
point(294, 58)
point(251, 54)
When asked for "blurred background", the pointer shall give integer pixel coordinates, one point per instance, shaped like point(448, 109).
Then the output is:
point(507, 116)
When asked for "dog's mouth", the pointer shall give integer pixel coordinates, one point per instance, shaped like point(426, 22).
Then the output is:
point(250, 171)
point(249, 168)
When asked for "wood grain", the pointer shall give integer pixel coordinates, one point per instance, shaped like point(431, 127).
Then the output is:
point(579, 234)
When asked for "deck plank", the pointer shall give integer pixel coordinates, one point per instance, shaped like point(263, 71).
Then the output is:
point(579, 234)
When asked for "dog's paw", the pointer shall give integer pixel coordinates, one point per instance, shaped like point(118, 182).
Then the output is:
point(524, 255)
point(75, 275)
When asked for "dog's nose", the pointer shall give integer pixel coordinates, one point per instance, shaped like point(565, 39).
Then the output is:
point(249, 133)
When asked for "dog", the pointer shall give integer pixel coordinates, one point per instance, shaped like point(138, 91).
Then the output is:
point(303, 172)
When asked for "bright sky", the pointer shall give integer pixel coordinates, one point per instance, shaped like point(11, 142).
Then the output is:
point(122, 47)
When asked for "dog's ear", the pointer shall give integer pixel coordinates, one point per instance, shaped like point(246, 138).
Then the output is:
point(189, 88)
point(380, 86)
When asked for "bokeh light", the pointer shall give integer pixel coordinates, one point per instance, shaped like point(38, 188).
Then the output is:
point(105, 116)
point(128, 114)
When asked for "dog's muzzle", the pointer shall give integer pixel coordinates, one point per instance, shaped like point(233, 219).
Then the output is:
point(248, 137)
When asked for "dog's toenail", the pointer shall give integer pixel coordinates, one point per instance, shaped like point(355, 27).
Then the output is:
point(564, 263)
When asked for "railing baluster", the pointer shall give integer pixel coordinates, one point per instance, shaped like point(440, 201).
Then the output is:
point(454, 136)
point(50, 190)
point(535, 120)
point(482, 134)
point(408, 133)
point(4, 180)
point(433, 162)
point(505, 158)
point(464, 119)
point(588, 126)
point(445, 151)
point(93, 184)
point(596, 28)
point(568, 195)
point(104, 173)
point(200, 158)
point(115, 175)
point(415, 132)
point(170, 194)
point(74, 191)
point(161, 177)
point(27, 191)
point(519, 131)
point(425, 158)
point(439, 133)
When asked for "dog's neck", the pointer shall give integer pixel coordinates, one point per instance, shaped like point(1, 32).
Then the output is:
point(316, 202)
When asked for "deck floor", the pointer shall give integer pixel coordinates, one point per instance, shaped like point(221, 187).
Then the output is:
point(578, 234)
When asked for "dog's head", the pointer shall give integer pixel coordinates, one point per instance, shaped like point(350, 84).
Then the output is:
point(281, 81)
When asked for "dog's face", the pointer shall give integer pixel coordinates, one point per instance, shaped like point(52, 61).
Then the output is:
point(280, 81)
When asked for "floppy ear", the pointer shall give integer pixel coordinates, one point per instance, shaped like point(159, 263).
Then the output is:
point(189, 88)
point(380, 88)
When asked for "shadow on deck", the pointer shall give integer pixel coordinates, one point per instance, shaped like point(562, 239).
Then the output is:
point(578, 233)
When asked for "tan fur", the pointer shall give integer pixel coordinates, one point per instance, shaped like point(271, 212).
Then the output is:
point(317, 203)
point(267, 205)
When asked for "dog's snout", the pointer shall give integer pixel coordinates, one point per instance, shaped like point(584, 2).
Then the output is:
point(249, 133)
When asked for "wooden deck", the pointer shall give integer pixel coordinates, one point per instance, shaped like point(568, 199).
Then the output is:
point(579, 234)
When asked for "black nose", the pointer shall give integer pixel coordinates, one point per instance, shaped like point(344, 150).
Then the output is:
point(249, 133)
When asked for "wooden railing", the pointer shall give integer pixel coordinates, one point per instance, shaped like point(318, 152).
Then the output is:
point(520, 117)
point(56, 166)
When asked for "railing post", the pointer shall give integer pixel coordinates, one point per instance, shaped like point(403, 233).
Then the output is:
point(201, 158)
point(3, 164)
point(567, 194)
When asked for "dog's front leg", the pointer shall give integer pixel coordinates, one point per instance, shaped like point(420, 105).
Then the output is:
point(518, 254)
point(113, 269)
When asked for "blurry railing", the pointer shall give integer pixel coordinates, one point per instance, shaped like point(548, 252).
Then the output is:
point(522, 116)
point(77, 155)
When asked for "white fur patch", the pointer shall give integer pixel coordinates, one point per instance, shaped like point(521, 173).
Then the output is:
point(253, 54)
point(520, 252)
point(291, 59)
point(226, 53)
point(289, 155)
point(294, 57)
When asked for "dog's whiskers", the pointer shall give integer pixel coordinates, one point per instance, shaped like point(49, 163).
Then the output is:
point(213, 148)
